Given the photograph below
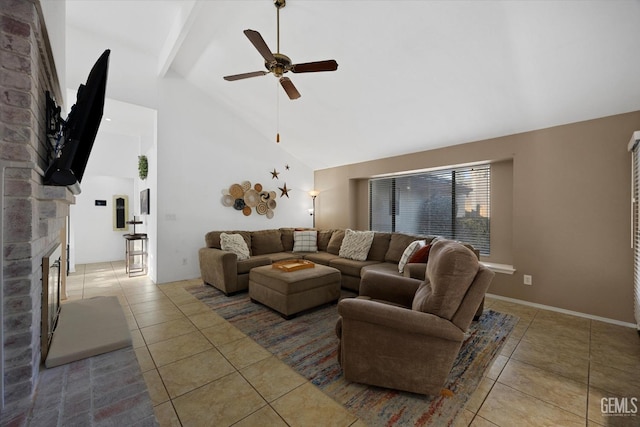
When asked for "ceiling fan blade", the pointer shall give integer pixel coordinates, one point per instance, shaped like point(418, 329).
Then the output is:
point(288, 87)
point(245, 75)
point(312, 67)
point(256, 39)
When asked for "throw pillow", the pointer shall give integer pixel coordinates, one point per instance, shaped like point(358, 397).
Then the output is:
point(408, 253)
point(234, 243)
point(305, 241)
point(356, 244)
point(421, 255)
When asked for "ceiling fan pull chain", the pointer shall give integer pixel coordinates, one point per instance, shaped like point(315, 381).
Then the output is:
point(277, 113)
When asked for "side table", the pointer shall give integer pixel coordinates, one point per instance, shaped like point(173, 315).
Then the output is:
point(135, 254)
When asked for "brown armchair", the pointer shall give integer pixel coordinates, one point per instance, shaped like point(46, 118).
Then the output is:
point(405, 334)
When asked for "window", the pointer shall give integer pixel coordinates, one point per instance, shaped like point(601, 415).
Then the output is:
point(452, 203)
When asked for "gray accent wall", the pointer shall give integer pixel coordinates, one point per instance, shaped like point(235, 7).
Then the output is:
point(560, 208)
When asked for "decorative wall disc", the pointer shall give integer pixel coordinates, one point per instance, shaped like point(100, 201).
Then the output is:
point(239, 204)
point(251, 198)
point(236, 191)
point(262, 208)
point(245, 198)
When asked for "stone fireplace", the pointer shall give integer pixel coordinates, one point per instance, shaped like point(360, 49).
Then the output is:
point(34, 216)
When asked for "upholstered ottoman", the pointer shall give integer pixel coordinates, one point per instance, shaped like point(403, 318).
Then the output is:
point(290, 292)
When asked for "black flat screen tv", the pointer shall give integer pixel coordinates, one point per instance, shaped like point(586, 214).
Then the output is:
point(78, 132)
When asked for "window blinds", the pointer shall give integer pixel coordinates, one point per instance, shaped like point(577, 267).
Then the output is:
point(452, 203)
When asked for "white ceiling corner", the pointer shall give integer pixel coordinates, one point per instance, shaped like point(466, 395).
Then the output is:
point(412, 75)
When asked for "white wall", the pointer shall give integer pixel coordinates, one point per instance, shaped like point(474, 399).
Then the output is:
point(95, 239)
point(202, 149)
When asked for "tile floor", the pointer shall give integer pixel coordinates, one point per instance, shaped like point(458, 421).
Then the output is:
point(555, 368)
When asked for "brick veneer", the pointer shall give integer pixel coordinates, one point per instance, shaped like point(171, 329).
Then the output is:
point(34, 215)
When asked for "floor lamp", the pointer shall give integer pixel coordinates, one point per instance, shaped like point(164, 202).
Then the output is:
point(313, 194)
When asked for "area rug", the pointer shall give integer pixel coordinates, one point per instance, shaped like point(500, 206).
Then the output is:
point(87, 328)
point(308, 344)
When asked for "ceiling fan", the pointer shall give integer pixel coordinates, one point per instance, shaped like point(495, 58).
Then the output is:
point(279, 64)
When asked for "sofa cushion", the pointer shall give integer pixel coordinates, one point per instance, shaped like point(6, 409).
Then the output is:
point(379, 246)
point(320, 257)
point(286, 235)
point(266, 242)
point(350, 267)
point(408, 253)
point(356, 244)
point(333, 247)
point(282, 256)
point(212, 239)
point(324, 236)
point(397, 244)
point(381, 267)
point(305, 241)
point(450, 271)
point(234, 243)
point(246, 265)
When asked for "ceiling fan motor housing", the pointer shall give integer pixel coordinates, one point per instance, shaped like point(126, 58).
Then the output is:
point(281, 65)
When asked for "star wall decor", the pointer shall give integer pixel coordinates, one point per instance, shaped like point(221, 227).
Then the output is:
point(274, 174)
point(286, 167)
point(284, 191)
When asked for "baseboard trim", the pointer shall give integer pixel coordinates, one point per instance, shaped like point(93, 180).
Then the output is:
point(562, 310)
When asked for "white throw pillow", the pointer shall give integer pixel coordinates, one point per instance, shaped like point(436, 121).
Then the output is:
point(234, 243)
point(305, 241)
point(356, 244)
point(408, 253)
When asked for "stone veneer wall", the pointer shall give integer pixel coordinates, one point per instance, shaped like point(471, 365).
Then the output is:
point(35, 215)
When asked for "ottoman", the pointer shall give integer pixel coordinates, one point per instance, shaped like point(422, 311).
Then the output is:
point(291, 292)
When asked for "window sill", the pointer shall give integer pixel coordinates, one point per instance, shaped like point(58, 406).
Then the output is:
point(499, 268)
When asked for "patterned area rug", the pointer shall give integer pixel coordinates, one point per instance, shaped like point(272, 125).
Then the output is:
point(308, 344)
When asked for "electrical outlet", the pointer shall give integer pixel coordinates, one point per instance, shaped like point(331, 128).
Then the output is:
point(528, 280)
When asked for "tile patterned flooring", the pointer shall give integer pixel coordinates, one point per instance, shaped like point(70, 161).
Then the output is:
point(555, 369)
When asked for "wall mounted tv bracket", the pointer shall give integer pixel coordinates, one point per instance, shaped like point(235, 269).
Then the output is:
point(54, 123)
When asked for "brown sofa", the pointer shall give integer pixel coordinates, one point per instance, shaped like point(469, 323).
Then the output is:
point(224, 271)
point(405, 334)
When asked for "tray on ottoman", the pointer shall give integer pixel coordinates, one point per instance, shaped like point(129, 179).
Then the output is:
point(290, 292)
point(292, 265)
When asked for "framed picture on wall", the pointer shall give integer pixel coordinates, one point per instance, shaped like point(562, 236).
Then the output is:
point(144, 202)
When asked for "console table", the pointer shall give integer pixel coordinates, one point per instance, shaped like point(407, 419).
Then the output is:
point(135, 253)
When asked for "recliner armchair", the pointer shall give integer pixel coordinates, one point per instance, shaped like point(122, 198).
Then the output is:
point(405, 334)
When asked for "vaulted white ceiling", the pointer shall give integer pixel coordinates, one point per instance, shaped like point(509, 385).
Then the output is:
point(412, 75)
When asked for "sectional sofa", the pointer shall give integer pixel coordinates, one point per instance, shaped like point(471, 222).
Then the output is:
point(223, 270)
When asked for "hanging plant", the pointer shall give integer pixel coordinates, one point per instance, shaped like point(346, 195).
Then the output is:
point(143, 167)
